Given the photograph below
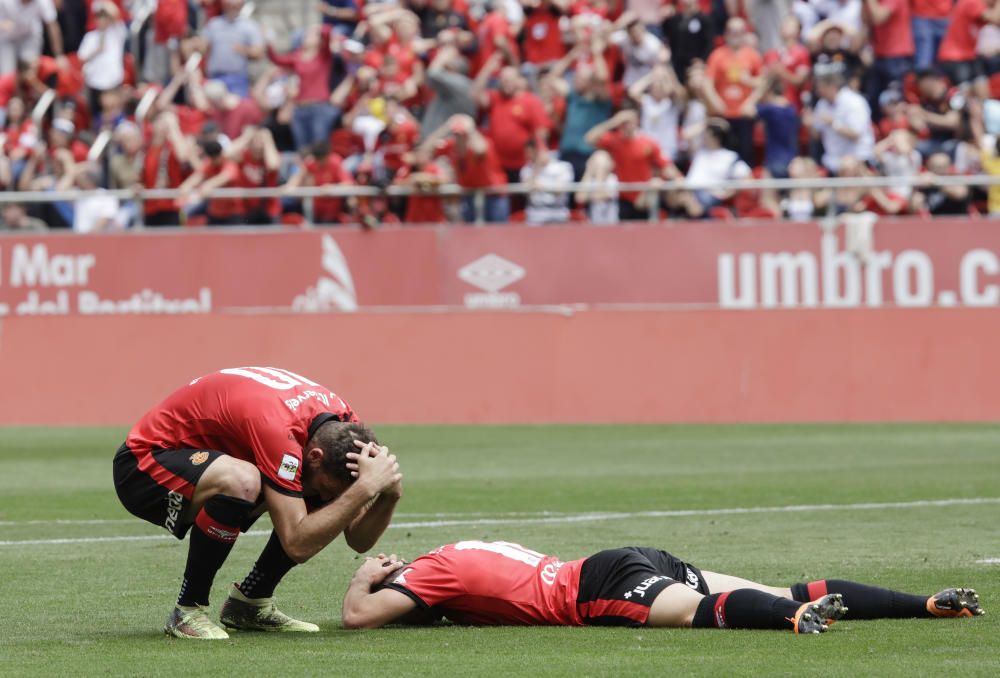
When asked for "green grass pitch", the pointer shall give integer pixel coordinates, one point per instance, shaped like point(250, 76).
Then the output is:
point(85, 607)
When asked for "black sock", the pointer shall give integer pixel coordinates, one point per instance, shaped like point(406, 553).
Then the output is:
point(863, 601)
point(271, 566)
point(745, 609)
point(213, 534)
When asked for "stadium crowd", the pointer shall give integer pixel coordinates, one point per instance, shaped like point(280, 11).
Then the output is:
point(484, 93)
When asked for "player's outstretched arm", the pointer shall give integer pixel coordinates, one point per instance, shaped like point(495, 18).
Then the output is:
point(304, 534)
point(364, 609)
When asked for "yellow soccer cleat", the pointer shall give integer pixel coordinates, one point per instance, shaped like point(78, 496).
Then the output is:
point(259, 614)
point(193, 622)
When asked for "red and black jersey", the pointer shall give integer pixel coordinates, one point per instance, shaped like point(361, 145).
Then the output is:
point(494, 583)
point(262, 415)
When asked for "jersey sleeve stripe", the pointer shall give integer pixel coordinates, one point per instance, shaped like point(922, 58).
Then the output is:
point(410, 594)
point(278, 488)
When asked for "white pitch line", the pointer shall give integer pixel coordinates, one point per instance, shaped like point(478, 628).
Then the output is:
point(132, 521)
point(989, 561)
point(580, 518)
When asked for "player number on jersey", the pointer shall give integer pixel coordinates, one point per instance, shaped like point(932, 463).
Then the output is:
point(503, 548)
point(272, 377)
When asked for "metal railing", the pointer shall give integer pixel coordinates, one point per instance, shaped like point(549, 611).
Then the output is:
point(653, 190)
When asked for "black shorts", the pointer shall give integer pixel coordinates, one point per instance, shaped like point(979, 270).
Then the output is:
point(158, 486)
point(618, 586)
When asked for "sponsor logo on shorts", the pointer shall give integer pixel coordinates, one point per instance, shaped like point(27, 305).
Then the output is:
point(692, 579)
point(641, 589)
point(289, 467)
point(199, 458)
point(175, 502)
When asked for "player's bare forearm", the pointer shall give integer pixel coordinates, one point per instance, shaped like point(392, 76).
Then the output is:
point(365, 531)
point(303, 534)
point(364, 609)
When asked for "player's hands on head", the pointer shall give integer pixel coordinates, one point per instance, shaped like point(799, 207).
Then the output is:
point(376, 570)
point(375, 467)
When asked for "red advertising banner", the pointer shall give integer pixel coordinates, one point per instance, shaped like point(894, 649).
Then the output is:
point(906, 262)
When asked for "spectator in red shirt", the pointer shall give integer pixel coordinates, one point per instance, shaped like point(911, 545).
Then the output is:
point(543, 41)
point(791, 63)
point(314, 115)
point(372, 211)
point(231, 112)
point(216, 171)
point(21, 135)
point(515, 116)
point(401, 134)
point(421, 173)
point(476, 165)
point(732, 75)
point(62, 136)
point(495, 33)
point(50, 163)
point(957, 54)
point(894, 112)
point(323, 168)
point(258, 160)
point(892, 41)
point(637, 159)
point(167, 155)
point(930, 23)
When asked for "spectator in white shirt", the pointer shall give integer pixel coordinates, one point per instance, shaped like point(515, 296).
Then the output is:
point(843, 121)
point(711, 165)
point(602, 204)
point(544, 173)
point(844, 12)
point(661, 99)
point(21, 24)
point(95, 209)
point(641, 50)
point(102, 52)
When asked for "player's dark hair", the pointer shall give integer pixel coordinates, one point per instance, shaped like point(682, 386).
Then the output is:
point(336, 439)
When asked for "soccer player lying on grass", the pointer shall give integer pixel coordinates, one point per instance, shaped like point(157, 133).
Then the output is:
point(500, 583)
point(217, 453)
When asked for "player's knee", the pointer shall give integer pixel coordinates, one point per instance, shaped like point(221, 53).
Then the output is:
point(242, 482)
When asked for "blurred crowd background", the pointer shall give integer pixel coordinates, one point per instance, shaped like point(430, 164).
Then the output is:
point(483, 94)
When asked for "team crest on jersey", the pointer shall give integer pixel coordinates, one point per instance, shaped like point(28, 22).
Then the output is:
point(289, 467)
point(199, 458)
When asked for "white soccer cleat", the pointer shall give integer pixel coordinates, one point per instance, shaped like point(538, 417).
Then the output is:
point(193, 623)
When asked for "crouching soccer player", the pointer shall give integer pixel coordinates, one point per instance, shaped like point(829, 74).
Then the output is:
point(493, 583)
point(217, 453)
